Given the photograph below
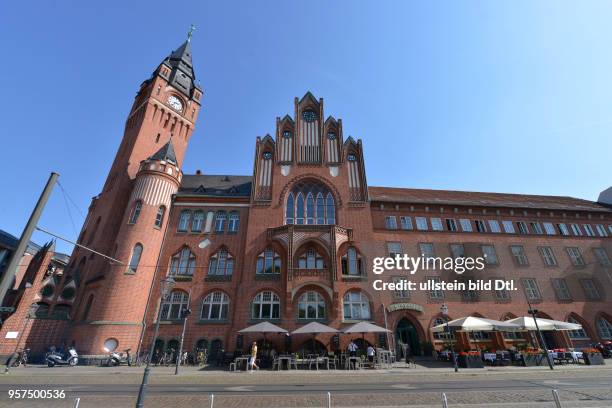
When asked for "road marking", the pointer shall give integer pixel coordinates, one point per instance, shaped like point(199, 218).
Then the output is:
point(403, 386)
point(242, 388)
point(557, 382)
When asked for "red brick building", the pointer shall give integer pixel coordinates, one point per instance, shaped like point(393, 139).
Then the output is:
point(294, 241)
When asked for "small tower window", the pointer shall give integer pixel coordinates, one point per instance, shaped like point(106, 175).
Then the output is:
point(159, 218)
point(136, 253)
point(135, 212)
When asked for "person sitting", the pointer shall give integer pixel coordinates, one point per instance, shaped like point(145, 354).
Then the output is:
point(352, 349)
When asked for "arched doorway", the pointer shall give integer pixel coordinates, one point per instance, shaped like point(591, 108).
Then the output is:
point(406, 339)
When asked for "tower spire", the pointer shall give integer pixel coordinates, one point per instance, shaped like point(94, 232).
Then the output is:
point(192, 28)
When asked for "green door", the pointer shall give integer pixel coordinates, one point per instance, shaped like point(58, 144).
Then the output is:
point(406, 334)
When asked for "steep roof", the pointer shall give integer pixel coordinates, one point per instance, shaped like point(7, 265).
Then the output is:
point(166, 153)
point(450, 197)
point(215, 185)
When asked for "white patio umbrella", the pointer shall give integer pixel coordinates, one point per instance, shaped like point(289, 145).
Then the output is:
point(471, 323)
point(264, 328)
point(313, 328)
point(363, 328)
point(527, 323)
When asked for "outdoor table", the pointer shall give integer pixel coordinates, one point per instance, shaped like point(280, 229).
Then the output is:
point(238, 361)
point(317, 360)
point(281, 359)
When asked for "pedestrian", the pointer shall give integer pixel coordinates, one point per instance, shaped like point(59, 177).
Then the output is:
point(352, 349)
point(253, 357)
point(371, 352)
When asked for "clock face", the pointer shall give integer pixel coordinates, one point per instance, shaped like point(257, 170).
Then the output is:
point(175, 103)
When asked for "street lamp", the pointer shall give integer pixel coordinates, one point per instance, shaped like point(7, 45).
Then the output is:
point(444, 310)
point(534, 312)
point(30, 315)
point(166, 288)
point(184, 314)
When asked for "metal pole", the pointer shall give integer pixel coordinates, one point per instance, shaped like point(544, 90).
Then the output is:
point(212, 400)
point(145, 378)
point(77, 401)
point(444, 400)
point(328, 399)
point(10, 361)
point(387, 333)
point(556, 397)
point(26, 235)
point(185, 313)
point(533, 312)
point(453, 351)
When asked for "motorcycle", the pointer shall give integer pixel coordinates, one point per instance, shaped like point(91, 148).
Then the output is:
point(605, 349)
point(116, 359)
point(71, 358)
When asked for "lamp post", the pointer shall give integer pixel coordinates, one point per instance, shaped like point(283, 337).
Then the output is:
point(31, 314)
point(166, 288)
point(444, 310)
point(184, 314)
point(534, 312)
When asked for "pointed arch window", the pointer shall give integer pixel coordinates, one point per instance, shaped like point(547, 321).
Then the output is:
point(266, 305)
point(356, 306)
point(310, 203)
point(604, 328)
point(576, 334)
point(87, 307)
point(184, 219)
point(299, 211)
point(221, 263)
point(135, 212)
point(311, 259)
point(352, 264)
point(310, 209)
point(234, 221)
point(172, 306)
point(289, 210)
point(183, 263)
point(135, 259)
point(311, 305)
point(268, 262)
point(220, 221)
point(159, 218)
point(198, 221)
point(215, 306)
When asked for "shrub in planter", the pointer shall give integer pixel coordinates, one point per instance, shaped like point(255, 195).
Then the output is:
point(470, 359)
point(592, 357)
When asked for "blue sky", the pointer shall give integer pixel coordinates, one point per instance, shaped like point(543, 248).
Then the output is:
point(510, 96)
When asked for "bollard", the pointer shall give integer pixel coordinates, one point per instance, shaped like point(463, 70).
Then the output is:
point(212, 400)
point(77, 401)
point(444, 400)
point(328, 399)
point(556, 397)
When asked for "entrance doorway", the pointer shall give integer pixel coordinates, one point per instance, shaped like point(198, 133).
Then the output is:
point(406, 339)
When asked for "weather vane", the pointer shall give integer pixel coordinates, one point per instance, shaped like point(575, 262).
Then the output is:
point(190, 33)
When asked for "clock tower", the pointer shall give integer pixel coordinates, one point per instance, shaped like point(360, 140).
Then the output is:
point(127, 220)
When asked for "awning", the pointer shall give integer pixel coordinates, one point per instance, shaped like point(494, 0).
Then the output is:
point(313, 328)
point(527, 323)
point(365, 327)
point(263, 327)
point(472, 323)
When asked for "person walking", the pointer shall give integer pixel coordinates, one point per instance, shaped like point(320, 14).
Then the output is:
point(253, 357)
point(371, 352)
point(352, 349)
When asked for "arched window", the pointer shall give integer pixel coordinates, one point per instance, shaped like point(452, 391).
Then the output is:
point(234, 221)
point(310, 209)
point(183, 263)
point(184, 220)
point(331, 209)
point(159, 218)
point(266, 305)
point(220, 221)
point(172, 306)
point(289, 211)
point(87, 309)
point(215, 306)
point(268, 262)
point(356, 306)
point(135, 260)
point(198, 221)
point(352, 264)
point(441, 335)
point(311, 259)
point(42, 310)
point(310, 203)
point(221, 263)
point(299, 211)
point(311, 306)
point(135, 212)
point(604, 328)
point(576, 334)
